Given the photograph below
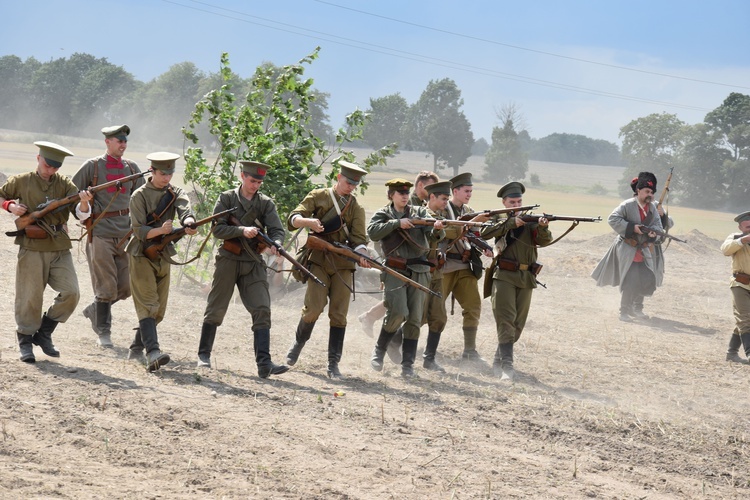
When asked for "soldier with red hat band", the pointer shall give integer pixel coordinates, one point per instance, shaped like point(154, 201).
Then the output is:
point(239, 263)
point(44, 255)
point(635, 261)
point(106, 257)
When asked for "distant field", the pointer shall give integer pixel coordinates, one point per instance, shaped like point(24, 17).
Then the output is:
point(563, 189)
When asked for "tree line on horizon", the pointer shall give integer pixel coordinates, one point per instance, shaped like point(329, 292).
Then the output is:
point(76, 95)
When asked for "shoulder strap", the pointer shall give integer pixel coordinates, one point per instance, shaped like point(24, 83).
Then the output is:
point(339, 211)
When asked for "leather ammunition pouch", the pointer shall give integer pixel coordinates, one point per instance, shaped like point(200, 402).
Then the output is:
point(511, 265)
point(742, 278)
point(303, 257)
point(438, 262)
point(465, 256)
point(402, 264)
point(232, 246)
point(35, 232)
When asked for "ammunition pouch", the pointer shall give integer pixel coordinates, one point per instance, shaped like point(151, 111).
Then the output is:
point(303, 257)
point(402, 264)
point(511, 265)
point(35, 232)
point(742, 278)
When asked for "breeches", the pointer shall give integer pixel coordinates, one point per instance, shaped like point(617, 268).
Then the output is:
point(465, 288)
point(109, 269)
point(149, 282)
point(435, 315)
point(510, 306)
point(252, 285)
point(741, 307)
point(337, 289)
point(404, 304)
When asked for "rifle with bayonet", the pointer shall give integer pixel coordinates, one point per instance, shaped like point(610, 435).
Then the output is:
point(53, 206)
point(646, 229)
point(417, 221)
point(154, 247)
point(498, 211)
point(315, 243)
point(551, 218)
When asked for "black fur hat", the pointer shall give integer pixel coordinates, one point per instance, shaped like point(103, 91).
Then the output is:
point(646, 180)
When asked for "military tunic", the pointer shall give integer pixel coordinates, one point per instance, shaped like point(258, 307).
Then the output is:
point(511, 290)
point(405, 304)
point(247, 270)
point(458, 277)
point(46, 261)
point(740, 253)
point(335, 271)
point(149, 281)
point(435, 314)
point(107, 260)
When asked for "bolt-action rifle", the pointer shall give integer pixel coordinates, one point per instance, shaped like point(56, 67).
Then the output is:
point(154, 247)
point(550, 217)
point(53, 206)
point(448, 222)
point(659, 232)
point(498, 211)
point(315, 243)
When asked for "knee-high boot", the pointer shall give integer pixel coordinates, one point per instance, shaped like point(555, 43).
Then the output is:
point(745, 339)
point(104, 324)
point(502, 365)
point(380, 347)
point(89, 312)
point(394, 346)
point(43, 337)
point(26, 347)
point(335, 349)
point(409, 355)
point(735, 342)
point(205, 345)
point(155, 359)
point(135, 352)
point(433, 339)
point(262, 347)
point(301, 336)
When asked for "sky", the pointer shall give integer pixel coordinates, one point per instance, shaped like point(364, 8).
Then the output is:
point(584, 67)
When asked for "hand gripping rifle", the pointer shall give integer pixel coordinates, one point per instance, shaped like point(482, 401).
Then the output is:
point(498, 211)
point(52, 206)
point(315, 243)
point(659, 232)
point(282, 251)
point(154, 247)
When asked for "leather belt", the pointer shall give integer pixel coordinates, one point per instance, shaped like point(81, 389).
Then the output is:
point(116, 213)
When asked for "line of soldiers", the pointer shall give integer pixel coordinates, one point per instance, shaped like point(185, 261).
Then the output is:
point(438, 256)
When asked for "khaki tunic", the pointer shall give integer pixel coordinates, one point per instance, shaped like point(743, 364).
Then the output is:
point(740, 253)
point(43, 262)
point(435, 314)
point(458, 279)
point(511, 290)
point(336, 272)
point(149, 281)
point(246, 271)
point(107, 259)
point(405, 304)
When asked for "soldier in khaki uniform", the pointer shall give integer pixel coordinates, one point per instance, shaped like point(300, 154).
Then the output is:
point(344, 223)
point(44, 254)
point(405, 247)
point(463, 265)
point(152, 208)
point(513, 279)
point(737, 246)
point(239, 263)
point(106, 257)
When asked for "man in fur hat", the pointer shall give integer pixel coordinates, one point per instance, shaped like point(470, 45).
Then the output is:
point(635, 261)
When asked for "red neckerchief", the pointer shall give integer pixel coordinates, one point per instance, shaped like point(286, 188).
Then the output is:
point(643, 211)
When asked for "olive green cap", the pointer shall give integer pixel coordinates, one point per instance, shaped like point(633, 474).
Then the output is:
point(53, 154)
point(398, 183)
point(442, 187)
point(163, 161)
point(512, 189)
point(351, 171)
point(255, 169)
point(118, 131)
point(463, 179)
point(742, 217)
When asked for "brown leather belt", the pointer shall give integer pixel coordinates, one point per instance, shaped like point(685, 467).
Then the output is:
point(116, 213)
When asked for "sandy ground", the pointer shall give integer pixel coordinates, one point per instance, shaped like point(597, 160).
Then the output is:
point(600, 409)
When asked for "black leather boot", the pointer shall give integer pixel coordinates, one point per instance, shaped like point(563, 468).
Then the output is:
point(502, 365)
point(89, 313)
point(206, 344)
point(43, 337)
point(262, 345)
point(380, 347)
point(155, 359)
point(302, 335)
point(745, 339)
point(335, 349)
point(394, 347)
point(430, 349)
point(136, 348)
point(638, 307)
point(26, 346)
point(104, 324)
point(735, 342)
point(626, 306)
point(409, 355)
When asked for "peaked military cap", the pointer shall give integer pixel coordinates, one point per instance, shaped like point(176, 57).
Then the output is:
point(436, 188)
point(351, 171)
point(53, 154)
point(118, 131)
point(163, 161)
point(398, 184)
point(513, 189)
point(463, 179)
point(742, 217)
point(646, 180)
point(255, 169)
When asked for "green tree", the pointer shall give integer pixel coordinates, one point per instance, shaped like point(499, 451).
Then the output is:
point(732, 120)
point(436, 124)
point(574, 148)
point(14, 103)
point(480, 147)
point(387, 116)
point(701, 162)
point(505, 159)
point(650, 144)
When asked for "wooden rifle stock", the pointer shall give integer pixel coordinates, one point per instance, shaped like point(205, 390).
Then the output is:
point(550, 217)
point(315, 243)
point(54, 205)
point(498, 211)
point(448, 222)
point(153, 248)
point(666, 188)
